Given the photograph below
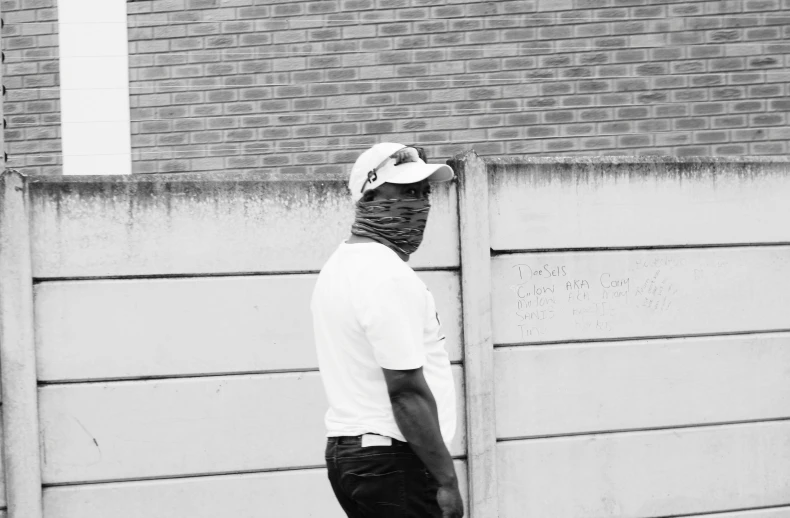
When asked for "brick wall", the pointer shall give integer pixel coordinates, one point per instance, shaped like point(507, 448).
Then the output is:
point(30, 75)
point(305, 85)
point(300, 85)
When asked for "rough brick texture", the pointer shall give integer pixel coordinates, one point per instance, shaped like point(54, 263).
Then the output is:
point(293, 85)
point(30, 75)
point(305, 85)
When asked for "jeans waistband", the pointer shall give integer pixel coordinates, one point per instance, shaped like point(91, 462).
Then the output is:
point(356, 440)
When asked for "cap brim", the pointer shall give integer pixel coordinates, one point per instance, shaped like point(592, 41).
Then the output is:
point(415, 172)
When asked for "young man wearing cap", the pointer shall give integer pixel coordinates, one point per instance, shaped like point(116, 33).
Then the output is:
point(381, 350)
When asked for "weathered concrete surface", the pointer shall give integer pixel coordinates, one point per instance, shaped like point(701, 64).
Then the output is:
point(132, 430)
point(602, 295)
point(94, 226)
point(653, 473)
point(549, 203)
point(642, 384)
point(660, 443)
point(280, 493)
point(213, 223)
point(131, 328)
point(661, 162)
point(20, 446)
point(473, 203)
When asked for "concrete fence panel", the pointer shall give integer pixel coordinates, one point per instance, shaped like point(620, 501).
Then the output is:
point(108, 329)
point(619, 330)
point(300, 493)
point(650, 473)
point(641, 329)
point(203, 283)
point(615, 386)
point(552, 297)
point(95, 432)
point(559, 203)
point(205, 224)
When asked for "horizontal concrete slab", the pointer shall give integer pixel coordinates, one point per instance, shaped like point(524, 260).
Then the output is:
point(582, 388)
point(581, 202)
point(641, 293)
point(646, 474)
point(286, 494)
point(146, 429)
point(99, 226)
point(170, 327)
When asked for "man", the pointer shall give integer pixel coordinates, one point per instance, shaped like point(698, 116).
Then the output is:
point(381, 350)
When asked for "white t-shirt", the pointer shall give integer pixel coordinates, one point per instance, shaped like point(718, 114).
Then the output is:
point(370, 310)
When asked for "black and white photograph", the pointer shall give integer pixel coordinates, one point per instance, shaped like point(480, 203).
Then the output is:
point(395, 259)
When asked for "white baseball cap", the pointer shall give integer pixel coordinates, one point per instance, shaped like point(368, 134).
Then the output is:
point(385, 163)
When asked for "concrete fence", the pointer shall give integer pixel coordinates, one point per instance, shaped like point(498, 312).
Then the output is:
point(619, 330)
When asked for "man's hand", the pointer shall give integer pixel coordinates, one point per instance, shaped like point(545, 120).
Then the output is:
point(415, 413)
point(450, 502)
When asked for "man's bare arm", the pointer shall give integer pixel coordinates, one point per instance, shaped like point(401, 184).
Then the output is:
point(415, 413)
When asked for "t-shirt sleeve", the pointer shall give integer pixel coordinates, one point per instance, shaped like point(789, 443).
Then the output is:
point(393, 317)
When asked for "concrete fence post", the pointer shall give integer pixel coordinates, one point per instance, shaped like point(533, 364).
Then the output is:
point(478, 343)
point(17, 353)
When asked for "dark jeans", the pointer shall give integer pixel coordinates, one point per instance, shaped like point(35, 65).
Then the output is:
point(380, 481)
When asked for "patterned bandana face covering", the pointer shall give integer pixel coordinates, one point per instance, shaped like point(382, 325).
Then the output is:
point(398, 224)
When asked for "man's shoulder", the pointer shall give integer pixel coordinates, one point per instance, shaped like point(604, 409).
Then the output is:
point(375, 257)
point(370, 267)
